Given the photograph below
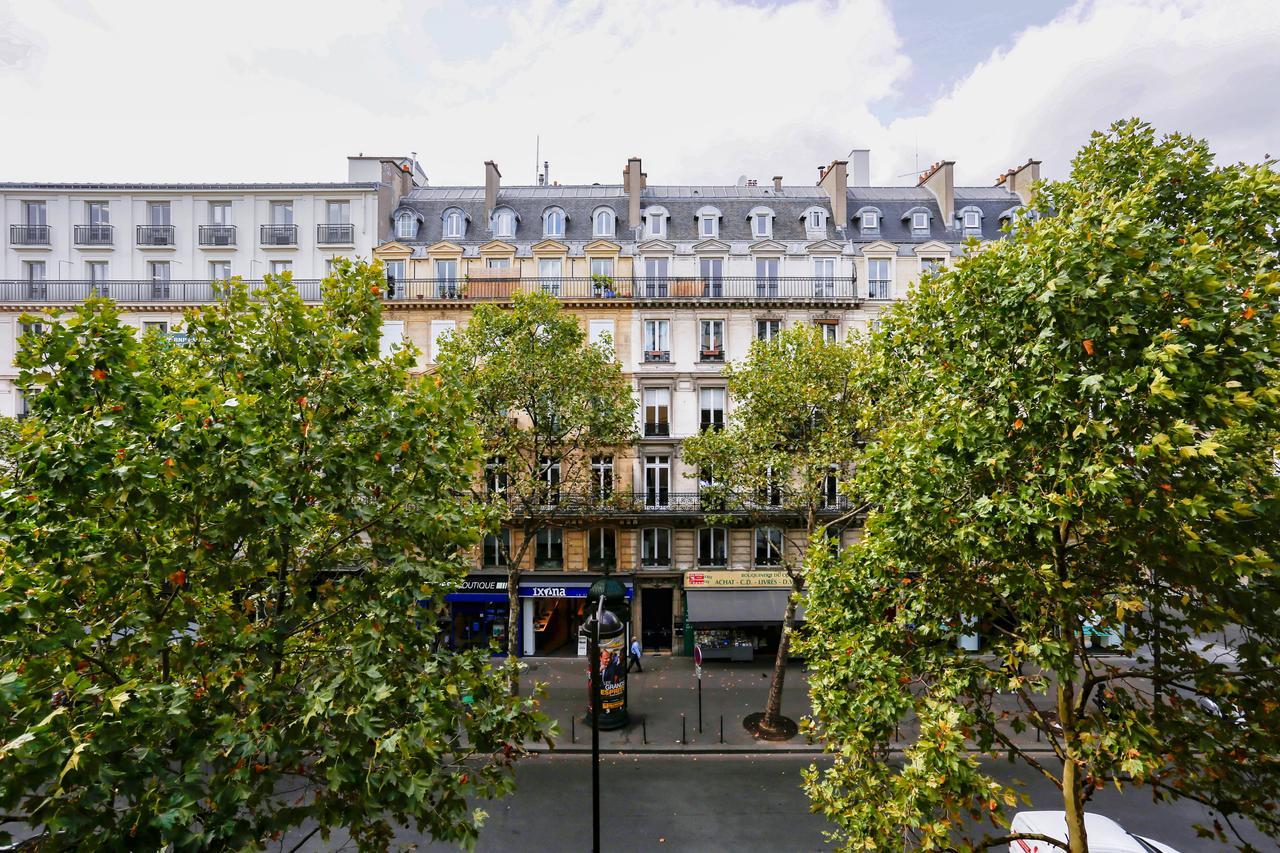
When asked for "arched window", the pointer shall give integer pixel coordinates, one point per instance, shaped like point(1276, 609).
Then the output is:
point(553, 222)
point(603, 222)
point(970, 219)
point(455, 224)
point(406, 225)
point(868, 220)
point(504, 222)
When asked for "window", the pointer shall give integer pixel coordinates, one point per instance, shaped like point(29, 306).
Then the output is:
point(655, 547)
point(219, 270)
point(96, 272)
point(601, 477)
point(453, 223)
point(768, 546)
point(390, 338)
point(879, 284)
point(713, 552)
point(767, 277)
point(711, 271)
point(158, 271)
point(771, 493)
point(406, 225)
point(816, 221)
point(972, 220)
point(337, 212)
point(709, 223)
point(447, 279)
point(831, 490)
point(920, 221)
point(160, 326)
point(929, 266)
point(598, 330)
point(603, 223)
point(656, 223)
point(550, 477)
point(549, 271)
point(657, 340)
point(762, 224)
point(494, 550)
point(440, 332)
point(504, 223)
point(495, 475)
point(657, 411)
point(497, 263)
point(601, 267)
point(281, 213)
point(711, 340)
point(281, 267)
point(602, 284)
point(35, 213)
point(33, 329)
point(553, 222)
point(767, 330)
point(711, 408)
point(824, 277)
point(549, 549)
point(602, 550)
point(657, 481)
point(869, 221)
point(830, 330)
point(36, 287)
point(655, 277)
point(220, 213)
point(21, 405)
point(395, 270)
point(97, 213)
point(158, 213)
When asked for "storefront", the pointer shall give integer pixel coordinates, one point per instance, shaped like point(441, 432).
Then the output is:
point(478, 611)
point(551, 612)
point(736, 615)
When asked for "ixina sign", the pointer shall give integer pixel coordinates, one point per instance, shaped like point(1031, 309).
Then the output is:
point(736, 580)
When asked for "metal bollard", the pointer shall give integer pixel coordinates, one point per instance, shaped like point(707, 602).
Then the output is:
point(722, 728)
point(573, 729)
point(684, 738)
point(644, 730)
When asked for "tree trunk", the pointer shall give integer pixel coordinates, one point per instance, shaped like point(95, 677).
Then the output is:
point(773, 707)
point(1072, 783)
point(513, 625)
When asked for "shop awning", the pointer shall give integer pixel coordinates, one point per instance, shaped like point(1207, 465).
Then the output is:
point(726, 607)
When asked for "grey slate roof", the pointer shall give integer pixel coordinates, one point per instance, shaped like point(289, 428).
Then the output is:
point(335, 185)
point(683, 202)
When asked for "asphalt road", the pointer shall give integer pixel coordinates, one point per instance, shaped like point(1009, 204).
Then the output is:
point(730, 803)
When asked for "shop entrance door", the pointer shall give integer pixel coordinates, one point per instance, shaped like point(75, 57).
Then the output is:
point(655, 619)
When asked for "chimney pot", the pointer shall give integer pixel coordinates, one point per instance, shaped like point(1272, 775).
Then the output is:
point(633, 183)
point(835, 181)
point(777, 183)
point(492, 183)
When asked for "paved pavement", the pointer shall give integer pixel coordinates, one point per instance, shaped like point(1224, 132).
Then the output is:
point(728, 802)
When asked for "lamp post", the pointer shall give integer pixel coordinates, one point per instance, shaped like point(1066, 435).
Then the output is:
point(593, 658)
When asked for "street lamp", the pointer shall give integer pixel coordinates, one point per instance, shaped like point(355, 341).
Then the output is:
point(593, 661)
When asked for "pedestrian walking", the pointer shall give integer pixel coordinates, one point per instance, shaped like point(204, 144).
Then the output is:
point(635, 656)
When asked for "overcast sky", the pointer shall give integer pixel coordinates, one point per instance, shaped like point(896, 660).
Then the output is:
point(703, 90)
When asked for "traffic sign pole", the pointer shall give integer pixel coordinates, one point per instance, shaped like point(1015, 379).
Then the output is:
point(697, 669)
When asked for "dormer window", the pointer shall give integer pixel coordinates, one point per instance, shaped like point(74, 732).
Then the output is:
point(454, 224)
point(815, 219)
point(406, 225)
point(553, 222)
point(761, 223)
point(603, 222)
point(504, 223)
point(972, 219)
point(868, 221)
point(655, 222)
point(919, 221)
point(708, 223)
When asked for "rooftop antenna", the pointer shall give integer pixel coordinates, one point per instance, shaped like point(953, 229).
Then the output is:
point(537, 157)
point(916, 173)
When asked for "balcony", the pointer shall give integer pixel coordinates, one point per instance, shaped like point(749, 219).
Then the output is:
point(879, 288)
point(278, 235)
point(217, 235)
point(712, 354)
point(131, 291)
point(485, 285)
point(155, 235)
point(662, 502)
point(657, 356)
point(29, 235)
point(657, 430)
point(94, 235)
point(336, 234)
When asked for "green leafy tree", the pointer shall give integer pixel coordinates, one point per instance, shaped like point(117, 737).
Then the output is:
point(780, 460)
point(211, 569)
point(1073, 434)
point(546, 403)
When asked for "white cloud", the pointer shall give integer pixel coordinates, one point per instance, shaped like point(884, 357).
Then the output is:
point(1205, 67)
point(703, 90)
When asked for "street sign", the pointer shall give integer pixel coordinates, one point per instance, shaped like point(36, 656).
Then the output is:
point(697, 670)
point(697, 656)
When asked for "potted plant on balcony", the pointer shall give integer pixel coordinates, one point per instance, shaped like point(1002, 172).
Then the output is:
point(602, 286)
point(712, 354)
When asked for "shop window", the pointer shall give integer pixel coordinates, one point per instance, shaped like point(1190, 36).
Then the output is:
point(478, 624)
point(602, 552)
point(768, 546)
point(495, 548)
point(713, 552)
point(655, 547)
point(549, 548)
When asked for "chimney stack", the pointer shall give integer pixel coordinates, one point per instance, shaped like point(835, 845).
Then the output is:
point(835, 180)
point(777, 183)
point(1019, 180)
point(861, 167)
point(492, 181)
point(940, 179)
point(632, 182)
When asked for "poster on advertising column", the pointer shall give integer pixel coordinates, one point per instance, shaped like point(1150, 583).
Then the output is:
point(613, 682)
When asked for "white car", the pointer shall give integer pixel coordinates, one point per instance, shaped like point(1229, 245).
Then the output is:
point(1105, 835)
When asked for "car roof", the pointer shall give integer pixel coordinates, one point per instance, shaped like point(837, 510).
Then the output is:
point(1105, 835)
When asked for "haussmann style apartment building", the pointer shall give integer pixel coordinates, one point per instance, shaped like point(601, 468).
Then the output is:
point(681, 279)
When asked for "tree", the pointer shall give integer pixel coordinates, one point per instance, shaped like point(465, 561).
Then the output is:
point(214, 563)
point(791, 439)
point(546, 402)
point(1072, 434)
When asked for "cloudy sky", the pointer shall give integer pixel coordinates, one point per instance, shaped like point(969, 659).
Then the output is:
point(703, 90)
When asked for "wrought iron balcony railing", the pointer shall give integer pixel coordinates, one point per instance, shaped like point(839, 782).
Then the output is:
point(664, 502)
point(94, 235)
point(749, 288)
point(155, 235)
point(197, 292)
point(29, 235)
point(278, 235)
point(217, 235)
point(337, 234)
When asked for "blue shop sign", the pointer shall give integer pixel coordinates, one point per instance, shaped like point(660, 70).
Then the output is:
point(556, 589)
